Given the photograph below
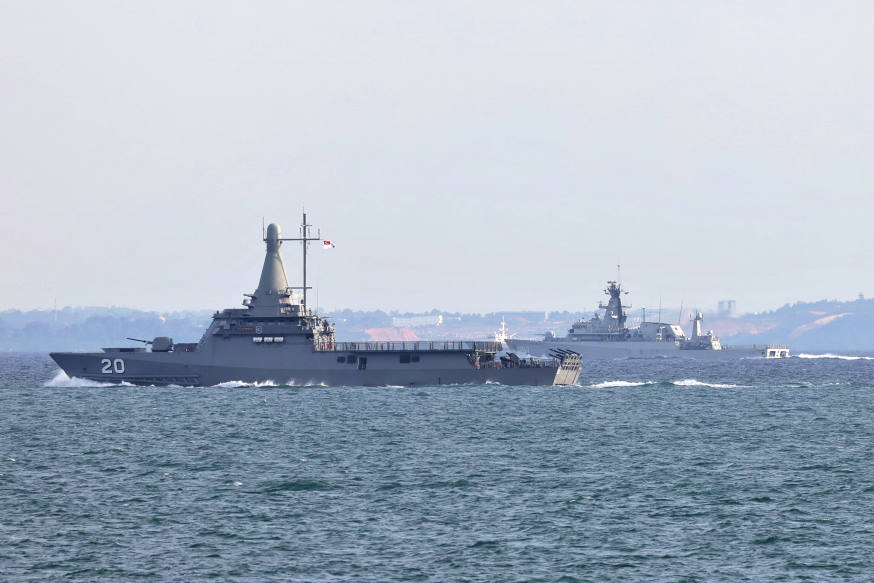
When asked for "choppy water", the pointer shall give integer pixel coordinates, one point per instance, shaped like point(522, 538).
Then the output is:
point(651, 470)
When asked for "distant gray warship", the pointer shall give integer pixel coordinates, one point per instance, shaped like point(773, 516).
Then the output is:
point(278, 338)
point(608, 337)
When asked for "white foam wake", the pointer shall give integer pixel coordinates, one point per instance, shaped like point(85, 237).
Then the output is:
point(610, 384)
point(62, 380)
point(836, 356)
point(240, 384)
point(268, 383)
point(697, 383)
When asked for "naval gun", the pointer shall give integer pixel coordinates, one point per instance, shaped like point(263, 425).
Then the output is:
point(159, 344)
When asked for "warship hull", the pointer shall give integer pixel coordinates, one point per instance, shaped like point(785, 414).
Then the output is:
point(593, 350)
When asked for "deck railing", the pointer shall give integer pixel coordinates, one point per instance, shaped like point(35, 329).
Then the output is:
point(408, 346)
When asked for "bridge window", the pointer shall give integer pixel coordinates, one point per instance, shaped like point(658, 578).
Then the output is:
point(415, 358)
point(341, 359)
point(405, 359)
point(351, 359)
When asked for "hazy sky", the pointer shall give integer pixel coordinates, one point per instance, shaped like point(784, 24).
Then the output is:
point(464, 156)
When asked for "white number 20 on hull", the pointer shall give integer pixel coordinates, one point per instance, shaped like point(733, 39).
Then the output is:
point(111, 366)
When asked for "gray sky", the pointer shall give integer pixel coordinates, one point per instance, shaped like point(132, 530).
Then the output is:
point(464, 156)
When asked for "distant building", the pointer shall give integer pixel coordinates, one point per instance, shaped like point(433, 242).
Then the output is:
point(727, 308)
point(417, 321)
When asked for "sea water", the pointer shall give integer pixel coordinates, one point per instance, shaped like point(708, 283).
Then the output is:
point(649, 470)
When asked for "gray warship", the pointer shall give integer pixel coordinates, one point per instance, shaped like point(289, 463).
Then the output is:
point(608, 337)
point(278, 338)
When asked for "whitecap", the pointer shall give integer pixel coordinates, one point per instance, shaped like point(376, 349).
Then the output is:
point(696, 383)
point(610, 384)
point(836, 356)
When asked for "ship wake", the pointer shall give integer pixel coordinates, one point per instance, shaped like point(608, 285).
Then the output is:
point(697, 383)
point(677, 383)
point(62, 380)
point(266, 384)
point(614, 384)
point(836, 356)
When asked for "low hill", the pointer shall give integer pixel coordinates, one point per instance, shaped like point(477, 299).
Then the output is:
point(804, 326)
point(823, 325)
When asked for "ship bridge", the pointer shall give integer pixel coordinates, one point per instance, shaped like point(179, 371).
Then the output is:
point(275, 313)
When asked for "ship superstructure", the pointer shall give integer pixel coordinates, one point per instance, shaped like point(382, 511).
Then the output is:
point(276, 337)
point(699, 340)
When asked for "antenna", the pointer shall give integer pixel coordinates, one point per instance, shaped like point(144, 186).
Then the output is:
point(263, 229)
point(305, 240)
point(304, 231)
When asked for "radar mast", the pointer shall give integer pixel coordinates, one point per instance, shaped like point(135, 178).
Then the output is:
point(304, 239)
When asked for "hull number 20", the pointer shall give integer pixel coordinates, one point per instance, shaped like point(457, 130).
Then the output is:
point(112, 366)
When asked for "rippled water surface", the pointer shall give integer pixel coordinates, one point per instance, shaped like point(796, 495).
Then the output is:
point(650, 470)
